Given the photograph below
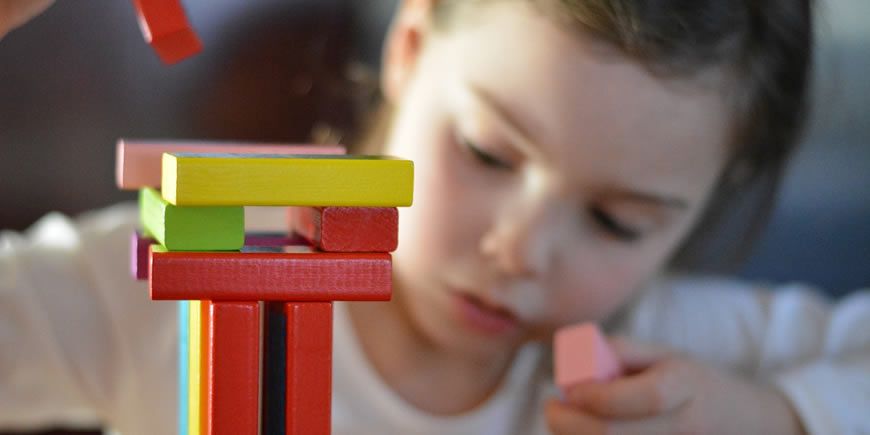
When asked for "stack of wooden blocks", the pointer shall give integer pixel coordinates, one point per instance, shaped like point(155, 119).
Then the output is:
point(240, 371)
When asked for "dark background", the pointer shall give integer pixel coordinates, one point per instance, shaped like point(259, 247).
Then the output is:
point(81, 76)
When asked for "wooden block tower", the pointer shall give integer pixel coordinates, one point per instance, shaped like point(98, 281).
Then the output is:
point(237, 291)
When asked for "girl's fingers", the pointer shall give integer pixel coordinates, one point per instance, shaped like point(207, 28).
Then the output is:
point(564, 419)
point(661, 389)
point(635, 356)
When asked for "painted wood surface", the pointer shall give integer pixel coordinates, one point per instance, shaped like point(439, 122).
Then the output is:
point(191, 228)
point(233, 368)
point(347, 229)
point(276, 180)
point(309, 368)
point(138, 163)
point(269, 276)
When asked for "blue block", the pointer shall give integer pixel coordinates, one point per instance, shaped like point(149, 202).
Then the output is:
point(183, 364)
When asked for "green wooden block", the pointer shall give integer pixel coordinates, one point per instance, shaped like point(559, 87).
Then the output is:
point(191, 228)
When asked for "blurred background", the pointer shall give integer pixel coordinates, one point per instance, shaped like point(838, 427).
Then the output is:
point(80, 76)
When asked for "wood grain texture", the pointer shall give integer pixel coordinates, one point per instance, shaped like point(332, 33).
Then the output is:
point(233, 368)
point(165, 26)
point(347, 229)
point(309, 368)
point(138, 163)
point(276, 180)
point(191, 228)
point(269, 276)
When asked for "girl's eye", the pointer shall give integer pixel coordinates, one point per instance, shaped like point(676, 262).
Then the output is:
point(612, 226)
point(482, 156)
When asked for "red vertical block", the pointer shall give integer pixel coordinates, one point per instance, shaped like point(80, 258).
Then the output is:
point(233, 359)
point(347, 229)
point(309, 368)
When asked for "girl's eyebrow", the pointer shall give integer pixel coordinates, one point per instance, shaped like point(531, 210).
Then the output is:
point(523, 140)
point(514, 130)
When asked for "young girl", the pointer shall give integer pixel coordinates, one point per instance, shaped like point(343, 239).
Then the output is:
point(566, 152)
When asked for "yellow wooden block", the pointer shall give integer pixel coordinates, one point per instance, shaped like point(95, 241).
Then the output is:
point(195, 372)
point(280, 180)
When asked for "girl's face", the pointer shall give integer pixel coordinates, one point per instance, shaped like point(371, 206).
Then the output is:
point(554, 177)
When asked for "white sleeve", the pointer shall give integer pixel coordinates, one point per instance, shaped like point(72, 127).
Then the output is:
point(817, 352)
point(80, 341)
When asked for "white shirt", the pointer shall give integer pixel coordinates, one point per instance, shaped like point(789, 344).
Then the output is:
point(81, 343)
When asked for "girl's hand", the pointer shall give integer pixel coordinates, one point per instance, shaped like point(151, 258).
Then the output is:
point(666, 393)
point(14, 13)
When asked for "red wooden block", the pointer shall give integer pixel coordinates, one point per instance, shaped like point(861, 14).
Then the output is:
point(233, 363)
point(269, 276)
point(347, 229)
point(164, 25)
point(309, 368)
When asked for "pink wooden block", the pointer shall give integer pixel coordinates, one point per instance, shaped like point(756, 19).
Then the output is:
point(138, 163)
point(582, 354)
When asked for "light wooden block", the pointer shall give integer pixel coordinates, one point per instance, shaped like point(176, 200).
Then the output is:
point(582, 354)
point(138, 163)
point(269, 276)
point(191, 228)
point(246, 179)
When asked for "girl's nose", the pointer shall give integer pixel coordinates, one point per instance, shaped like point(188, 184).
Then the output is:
point(523, 242)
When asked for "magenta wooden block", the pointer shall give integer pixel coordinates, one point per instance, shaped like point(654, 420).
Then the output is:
point(582, 354)
point(265, 239)
point(139, 255)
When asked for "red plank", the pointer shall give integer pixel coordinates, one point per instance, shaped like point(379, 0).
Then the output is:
point(347, 229)
point(164, 25)
point(270, 276)
point(309, 368)
point(233, 361)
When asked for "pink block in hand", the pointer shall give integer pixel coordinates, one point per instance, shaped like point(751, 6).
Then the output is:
point(582, 354)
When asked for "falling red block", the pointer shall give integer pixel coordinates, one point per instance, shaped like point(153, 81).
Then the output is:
point(582, 354)
point(347, 229)
point(165, 27)
point(269, 276)
point(232, 358)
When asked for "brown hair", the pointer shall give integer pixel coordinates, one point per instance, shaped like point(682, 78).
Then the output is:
point(765, 46)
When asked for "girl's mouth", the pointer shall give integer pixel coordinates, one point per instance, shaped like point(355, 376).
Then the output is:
point(483, 316)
